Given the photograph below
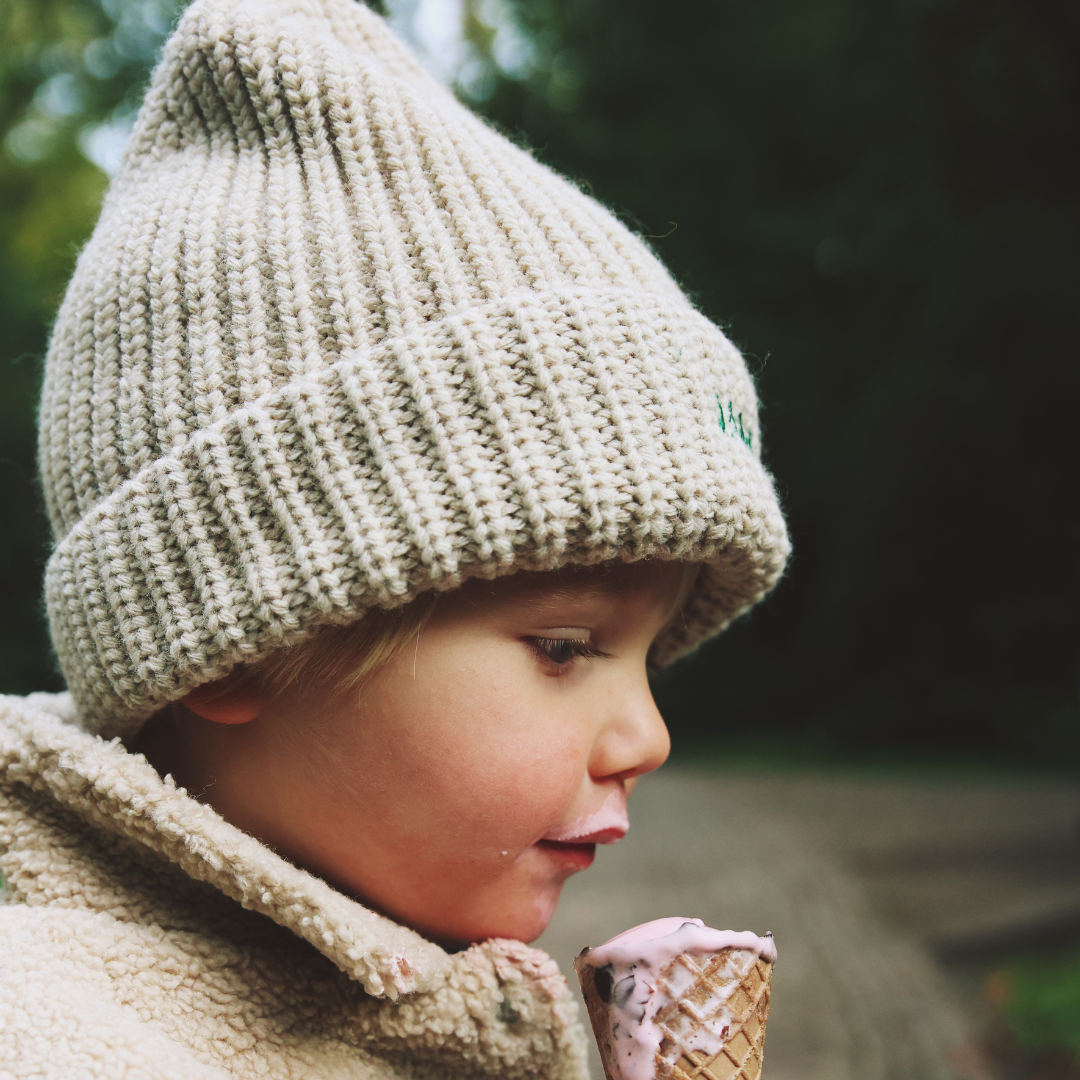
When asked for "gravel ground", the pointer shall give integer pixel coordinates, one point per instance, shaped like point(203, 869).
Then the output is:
point(888, 898)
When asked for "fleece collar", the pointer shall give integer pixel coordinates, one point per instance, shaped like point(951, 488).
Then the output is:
point(42, 747)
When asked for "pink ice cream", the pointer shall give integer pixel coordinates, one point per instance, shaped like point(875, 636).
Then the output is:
point(629, 965)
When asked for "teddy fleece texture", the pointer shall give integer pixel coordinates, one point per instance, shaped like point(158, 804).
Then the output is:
point(142, 937)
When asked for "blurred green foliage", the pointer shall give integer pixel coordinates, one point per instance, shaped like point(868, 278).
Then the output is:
point(880, 204)
point(1043, 1004)
point(71, 76)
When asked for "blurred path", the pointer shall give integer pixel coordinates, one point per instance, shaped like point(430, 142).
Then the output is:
point(863, 881)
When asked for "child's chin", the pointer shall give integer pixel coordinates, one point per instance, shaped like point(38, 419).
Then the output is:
point(523, 919)
point(534, 917)
point(518, 903)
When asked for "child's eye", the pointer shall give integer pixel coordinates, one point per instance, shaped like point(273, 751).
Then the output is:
point(561, 651)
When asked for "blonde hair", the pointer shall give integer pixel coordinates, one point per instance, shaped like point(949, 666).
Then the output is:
point(345, 656)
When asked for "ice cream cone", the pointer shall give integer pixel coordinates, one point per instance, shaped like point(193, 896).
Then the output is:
point(696, 1014)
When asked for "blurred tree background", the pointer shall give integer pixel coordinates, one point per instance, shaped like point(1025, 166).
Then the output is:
point(879, 202)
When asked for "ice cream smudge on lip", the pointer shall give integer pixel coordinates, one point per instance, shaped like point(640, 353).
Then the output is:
point(637, 979)
point(607, 825)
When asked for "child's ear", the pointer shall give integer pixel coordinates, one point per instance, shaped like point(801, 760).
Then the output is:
point(235, 699)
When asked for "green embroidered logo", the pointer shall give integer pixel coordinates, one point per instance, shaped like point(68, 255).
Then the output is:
point(735, 422)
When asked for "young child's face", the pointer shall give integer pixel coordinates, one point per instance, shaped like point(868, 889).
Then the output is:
point(455, 792)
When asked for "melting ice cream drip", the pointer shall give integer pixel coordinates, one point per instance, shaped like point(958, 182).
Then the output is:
point(625, 974)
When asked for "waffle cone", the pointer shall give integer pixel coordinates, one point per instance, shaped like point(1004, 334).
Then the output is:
point(713, 1027)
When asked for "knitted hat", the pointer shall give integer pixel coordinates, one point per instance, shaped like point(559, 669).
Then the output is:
point(334, 342)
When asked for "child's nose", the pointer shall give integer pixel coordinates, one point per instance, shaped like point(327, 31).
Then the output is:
point(633, 739)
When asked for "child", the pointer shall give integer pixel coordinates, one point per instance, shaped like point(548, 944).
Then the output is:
point(382, 464)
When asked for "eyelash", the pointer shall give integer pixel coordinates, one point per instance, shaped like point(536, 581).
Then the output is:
point(562, 651)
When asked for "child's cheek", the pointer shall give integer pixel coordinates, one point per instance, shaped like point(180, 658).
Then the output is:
point(479, 759)
point(498, 791)
point(503, 797)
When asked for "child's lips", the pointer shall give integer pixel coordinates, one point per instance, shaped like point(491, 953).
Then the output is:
point(574, 844)
point(607, 825)
point(573, 856)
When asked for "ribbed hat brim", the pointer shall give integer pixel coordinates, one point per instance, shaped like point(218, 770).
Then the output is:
point(321, 500)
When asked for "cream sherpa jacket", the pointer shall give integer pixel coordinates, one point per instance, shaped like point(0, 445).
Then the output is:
point(145, 937)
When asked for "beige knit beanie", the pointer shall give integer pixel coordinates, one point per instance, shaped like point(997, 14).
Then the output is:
point(335, 342)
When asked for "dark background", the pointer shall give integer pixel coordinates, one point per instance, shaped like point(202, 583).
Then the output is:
point(878, 201)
